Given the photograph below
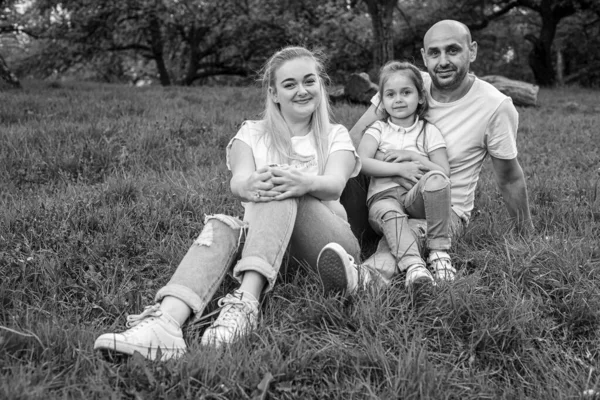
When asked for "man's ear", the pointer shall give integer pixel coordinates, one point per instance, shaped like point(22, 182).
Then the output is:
point(423, 55)
point(473, 51)
point(273, 95)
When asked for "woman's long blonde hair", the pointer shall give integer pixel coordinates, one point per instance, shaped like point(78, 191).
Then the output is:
point(273, 118)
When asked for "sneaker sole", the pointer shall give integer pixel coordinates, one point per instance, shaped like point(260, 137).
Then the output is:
point(332, 272)
point(445, 277)
point(217, 341)
point(113, 349)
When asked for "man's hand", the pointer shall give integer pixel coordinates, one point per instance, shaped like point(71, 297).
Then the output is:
point(409, 172)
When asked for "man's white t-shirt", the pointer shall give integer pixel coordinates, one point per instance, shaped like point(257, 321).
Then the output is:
point(420, 137)
point(253, 134)
point(482, 122)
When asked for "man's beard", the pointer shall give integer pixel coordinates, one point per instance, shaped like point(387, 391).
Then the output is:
point(459, 75)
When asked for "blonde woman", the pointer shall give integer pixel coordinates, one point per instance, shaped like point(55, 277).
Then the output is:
point(289, 170)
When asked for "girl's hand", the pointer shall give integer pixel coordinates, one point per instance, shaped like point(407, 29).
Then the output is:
point(398, 155)
point(411, 171)
point(289, 182)
point(258, 186)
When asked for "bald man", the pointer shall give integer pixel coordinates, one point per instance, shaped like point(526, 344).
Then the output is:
point(475, 120)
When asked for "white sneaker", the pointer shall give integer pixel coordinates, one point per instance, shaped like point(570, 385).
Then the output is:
point(148, 332)
point(338, 271)
point(238, 317)
point(418, 275)
point(442, 266)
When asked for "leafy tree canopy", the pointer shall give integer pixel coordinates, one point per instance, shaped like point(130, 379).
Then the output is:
point(189, 42)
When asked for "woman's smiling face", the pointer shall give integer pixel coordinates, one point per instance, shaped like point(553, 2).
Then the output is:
point(297, 89)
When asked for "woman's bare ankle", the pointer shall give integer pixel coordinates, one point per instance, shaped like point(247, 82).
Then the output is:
point(176, 308)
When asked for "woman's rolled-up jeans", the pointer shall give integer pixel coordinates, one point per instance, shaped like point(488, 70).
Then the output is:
point(301, 225)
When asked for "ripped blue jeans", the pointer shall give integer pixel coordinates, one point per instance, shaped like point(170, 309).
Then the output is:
point(302, 226)
point(428, 199)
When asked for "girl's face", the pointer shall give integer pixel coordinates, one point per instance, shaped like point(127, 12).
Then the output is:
point(401, 99)
point(297, 89)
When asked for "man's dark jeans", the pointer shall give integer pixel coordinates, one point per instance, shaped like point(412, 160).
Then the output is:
point(354, 200)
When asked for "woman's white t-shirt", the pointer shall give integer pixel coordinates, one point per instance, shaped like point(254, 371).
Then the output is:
point(253, 134)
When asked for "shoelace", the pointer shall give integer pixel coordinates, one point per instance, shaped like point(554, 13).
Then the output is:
point(417, 269)
point(136, 321)
point(443, 264)
point(232, 307)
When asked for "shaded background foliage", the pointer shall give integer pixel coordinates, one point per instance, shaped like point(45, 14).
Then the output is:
point(188, 42)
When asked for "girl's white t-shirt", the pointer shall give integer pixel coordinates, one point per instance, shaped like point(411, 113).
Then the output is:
point(253, 134)
point(420, 137)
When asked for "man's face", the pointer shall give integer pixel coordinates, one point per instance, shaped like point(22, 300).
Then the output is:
point(447, 54)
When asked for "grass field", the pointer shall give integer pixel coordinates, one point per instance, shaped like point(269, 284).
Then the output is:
point(103, 188)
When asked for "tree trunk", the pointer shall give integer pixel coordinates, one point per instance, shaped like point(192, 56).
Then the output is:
point(541, 67)
point(551, 12)
point(7, 75)
point(157, 44)
point(194, 55)
point(382, 18)
point(560, 67)
point(540, 57)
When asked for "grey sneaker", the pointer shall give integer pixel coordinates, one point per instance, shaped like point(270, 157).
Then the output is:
point(148, 332)
point(338, 271)
point(441, 265)
point(418, 276)
point(238, 317)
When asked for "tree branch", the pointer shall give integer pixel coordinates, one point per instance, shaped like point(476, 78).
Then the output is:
point(531, 38)
point(489, 18)
point(133, 46)
point(17, 29)
point(531, 4)
point(212, 69)
point(410, 27)
point(8, 29)
point(583, 72)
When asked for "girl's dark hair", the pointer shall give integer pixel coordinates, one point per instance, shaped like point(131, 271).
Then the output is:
point(414, 74)
point(411, 72)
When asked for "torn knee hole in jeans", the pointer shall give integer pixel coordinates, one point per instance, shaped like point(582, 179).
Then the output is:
point(206, 236)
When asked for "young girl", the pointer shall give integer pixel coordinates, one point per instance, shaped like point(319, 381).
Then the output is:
point(289, 170)
point(404, 141)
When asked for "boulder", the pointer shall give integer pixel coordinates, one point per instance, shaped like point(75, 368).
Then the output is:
point(359, 88)
point(338, 95)
point(7, 76)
